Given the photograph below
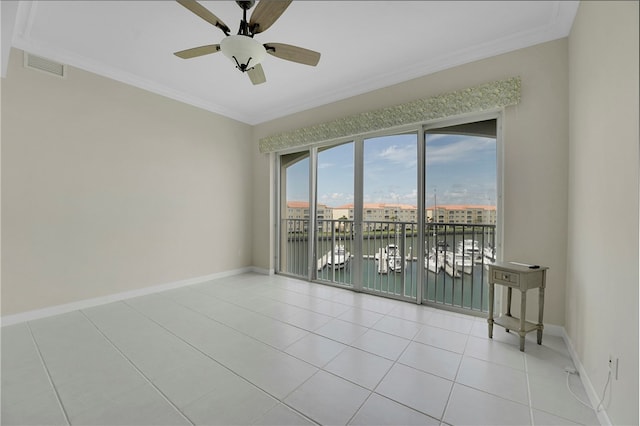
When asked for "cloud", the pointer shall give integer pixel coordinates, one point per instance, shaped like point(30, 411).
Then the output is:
point(334, 199)
point(466, 193)
point(462, 150)
point(405, 155)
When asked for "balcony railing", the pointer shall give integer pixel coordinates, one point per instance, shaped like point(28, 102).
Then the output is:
point(454, 260)
point(457, 258)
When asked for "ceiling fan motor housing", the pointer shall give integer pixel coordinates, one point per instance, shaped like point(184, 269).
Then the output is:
point(246, 5)
point(243, 50)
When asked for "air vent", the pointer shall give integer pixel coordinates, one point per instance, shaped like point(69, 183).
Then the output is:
point(43, 64)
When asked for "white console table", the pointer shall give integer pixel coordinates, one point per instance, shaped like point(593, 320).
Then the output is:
point(523, 278)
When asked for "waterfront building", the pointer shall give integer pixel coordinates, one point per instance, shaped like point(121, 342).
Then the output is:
point(300, 210)
point(378, 215)
point(462, 213)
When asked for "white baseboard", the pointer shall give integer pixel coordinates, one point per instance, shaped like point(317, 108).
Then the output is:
point(594, 398)
point(262, 271)
point(554, 330)
point(88, 303)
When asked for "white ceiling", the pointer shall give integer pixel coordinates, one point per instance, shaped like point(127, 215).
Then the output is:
point(365, 45)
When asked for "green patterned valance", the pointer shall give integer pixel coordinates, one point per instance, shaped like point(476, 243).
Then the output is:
point(486, 97)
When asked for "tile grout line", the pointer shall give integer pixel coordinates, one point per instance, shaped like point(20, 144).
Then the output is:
point(380, 381)
point(526, 373)
point(210, 318)
point(220, 363)
point(283, 322)
point(46, 369)
point(383, 315)
point(359, 408)
point(280, 350)
point(136, 368)
point(387, 314)
point(455, 378)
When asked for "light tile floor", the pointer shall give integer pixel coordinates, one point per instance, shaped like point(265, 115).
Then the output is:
point(270, 350)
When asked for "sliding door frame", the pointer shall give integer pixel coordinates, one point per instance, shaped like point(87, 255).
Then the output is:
point(420, 131)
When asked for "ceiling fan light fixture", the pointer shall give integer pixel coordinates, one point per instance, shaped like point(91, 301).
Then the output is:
point(243, 50)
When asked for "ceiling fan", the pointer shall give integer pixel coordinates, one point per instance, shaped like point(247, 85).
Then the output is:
point(246, 52)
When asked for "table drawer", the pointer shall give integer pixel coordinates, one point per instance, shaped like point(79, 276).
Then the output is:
point(505, 277)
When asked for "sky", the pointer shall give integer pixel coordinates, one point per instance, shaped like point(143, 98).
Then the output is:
point(460, 170)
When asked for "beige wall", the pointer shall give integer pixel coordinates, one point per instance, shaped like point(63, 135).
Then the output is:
point(602, 271)
point(536, 149)
point(107, 188)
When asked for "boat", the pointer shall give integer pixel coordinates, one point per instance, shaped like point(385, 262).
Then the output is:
point(450, 270)
point(338, 258)
point(433, 262)
point(396, 264)
point(489, 254)
point(436, 261)
point(460, 262)
point(322, 262)
point(389, 259)
point(471, 248)
point(442, 245)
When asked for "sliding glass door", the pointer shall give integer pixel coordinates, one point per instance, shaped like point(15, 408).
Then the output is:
point(334, 248)
point(389, 215)
point(295, 214)
point(410, 215)
point(460, 222)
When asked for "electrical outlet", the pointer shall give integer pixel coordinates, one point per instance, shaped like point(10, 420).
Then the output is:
point(613, 366)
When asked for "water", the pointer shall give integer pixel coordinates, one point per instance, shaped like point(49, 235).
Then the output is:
point(469, 291)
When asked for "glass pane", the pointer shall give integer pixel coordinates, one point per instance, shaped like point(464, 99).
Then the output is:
point(389, 215)
point(334, 238)
point(294, 208)
point(460, 199)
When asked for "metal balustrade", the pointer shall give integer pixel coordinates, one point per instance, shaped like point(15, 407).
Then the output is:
point(457, 259)
point(454, 260)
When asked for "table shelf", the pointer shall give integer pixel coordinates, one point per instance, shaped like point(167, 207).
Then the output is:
point(513, 323)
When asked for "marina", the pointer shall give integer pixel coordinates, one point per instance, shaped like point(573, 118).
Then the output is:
point(454, 262)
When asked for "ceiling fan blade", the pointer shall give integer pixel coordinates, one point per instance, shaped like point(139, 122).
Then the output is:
point(293, 53)
point(266, 13)
point(204, 13)
point(198, 51)
point(256, 74)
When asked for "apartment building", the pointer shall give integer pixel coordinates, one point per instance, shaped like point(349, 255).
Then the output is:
point(462, 213)
point(380, 214)
point(300, 210)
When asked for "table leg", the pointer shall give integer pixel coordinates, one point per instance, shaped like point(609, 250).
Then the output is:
point(509, 292)
point(541, 307)
point(523, 314)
